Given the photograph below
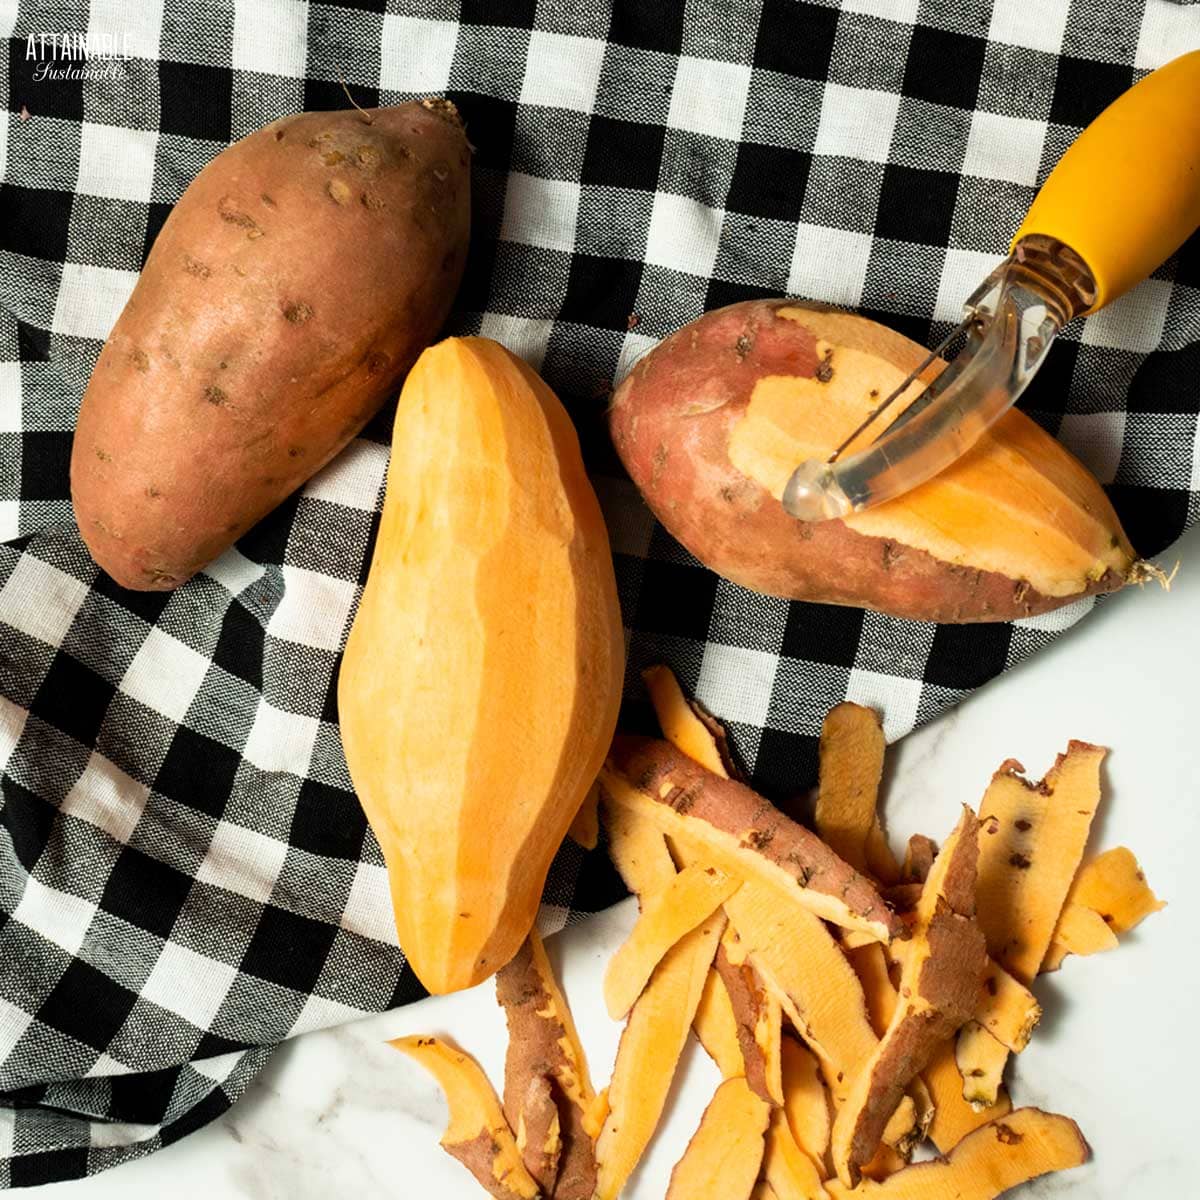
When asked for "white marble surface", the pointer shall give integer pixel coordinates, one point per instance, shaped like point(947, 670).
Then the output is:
point(339, 1114)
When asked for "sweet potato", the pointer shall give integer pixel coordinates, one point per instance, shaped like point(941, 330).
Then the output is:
point(724, 1155)
point(287, 295)
point(477, 1134)
point(986, 1163)
point(482, 677)
point(711, 423)
point(585, 828)
point(741, 833)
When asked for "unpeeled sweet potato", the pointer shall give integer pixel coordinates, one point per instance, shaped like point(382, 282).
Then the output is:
point(289, 292)
point(711, 423)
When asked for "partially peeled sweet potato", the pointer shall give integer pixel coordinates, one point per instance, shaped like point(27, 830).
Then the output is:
point(711, 423)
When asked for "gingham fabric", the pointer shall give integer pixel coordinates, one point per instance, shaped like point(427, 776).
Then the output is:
point(185, 876)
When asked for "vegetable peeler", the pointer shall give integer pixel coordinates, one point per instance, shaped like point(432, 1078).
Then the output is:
point(1123, 199)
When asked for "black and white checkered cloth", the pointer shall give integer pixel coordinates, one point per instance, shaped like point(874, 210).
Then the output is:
point(185, 876)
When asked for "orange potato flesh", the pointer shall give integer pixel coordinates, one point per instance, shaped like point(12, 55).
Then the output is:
point(488, 517)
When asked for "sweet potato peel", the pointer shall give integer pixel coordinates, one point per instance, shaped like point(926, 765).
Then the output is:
point(724, 1155)
point(918, 859)
point(851, 766)
point(1110, 895)
point(805, 1100)
point(698, 736)
point(1033, 839)
point(741, 833)
point(939, 991)
point(796, 956)
point(539, 1133)
point(1081, 931)
point(1113, 885)
point(717, 1027)
point(648, 1053)
point(638, 850)
point(477, 1133)
point(758, 1020)
point(667, 914)
point(1020, 1146)
point(905, 988)
point(953, 1117)
point(1007, 1009)
point(543, 1041)
point(870, 964)
point(981, 1060)
point(790, 1172)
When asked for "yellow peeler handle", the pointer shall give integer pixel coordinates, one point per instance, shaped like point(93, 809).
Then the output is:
point(1126, 195)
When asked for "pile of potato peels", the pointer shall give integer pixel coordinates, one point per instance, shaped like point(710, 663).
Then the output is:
point(856, 1007)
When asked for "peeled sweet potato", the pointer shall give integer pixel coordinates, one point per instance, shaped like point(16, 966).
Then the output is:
point(481, 681)
point(288, 293)
point(711, 423)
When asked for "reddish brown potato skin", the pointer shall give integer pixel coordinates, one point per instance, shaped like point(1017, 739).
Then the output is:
point(679, 461)
point(286, 297)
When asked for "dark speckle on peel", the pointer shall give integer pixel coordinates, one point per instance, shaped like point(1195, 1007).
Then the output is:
point(297, 312)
